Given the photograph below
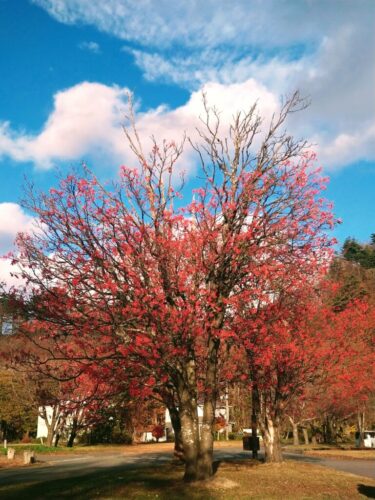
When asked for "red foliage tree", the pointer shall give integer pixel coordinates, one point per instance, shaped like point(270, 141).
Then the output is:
point(158, 432)
point(131, 279)
point(299, 341)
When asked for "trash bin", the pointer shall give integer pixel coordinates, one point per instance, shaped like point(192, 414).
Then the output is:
point(251, 443)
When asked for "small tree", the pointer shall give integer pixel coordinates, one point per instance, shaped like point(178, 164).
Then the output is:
point(158, 432)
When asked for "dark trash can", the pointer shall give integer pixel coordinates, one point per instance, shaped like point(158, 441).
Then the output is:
point(251, 443)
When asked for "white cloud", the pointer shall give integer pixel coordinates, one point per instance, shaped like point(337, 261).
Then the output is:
point(193, 23)
point(7, 271)
point(325, 49)
point(12, 221)
point(85, 120)
point(90, 47)
point(86, 123)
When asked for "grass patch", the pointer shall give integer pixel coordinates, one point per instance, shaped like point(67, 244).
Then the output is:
point(366, 454)
point(290, 480)
point(38, 448)
point(41, 448)
point(346, 451)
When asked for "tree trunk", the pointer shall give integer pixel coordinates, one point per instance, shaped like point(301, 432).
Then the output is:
point(50, 435)
point(270, 427)
point(327, 430)
point(272, 443)
point(294, 425)
point(313, 431)
point(190, 440)
point(73, 433)
point(305, 435)
point(57, 439)
point(51, 425)
point(176, 424)
point(254, 420)
point(205, 469)
point(361, 428)
point(295, 434)
point(189, 421)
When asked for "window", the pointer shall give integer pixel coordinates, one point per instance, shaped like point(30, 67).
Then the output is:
point(6, 325)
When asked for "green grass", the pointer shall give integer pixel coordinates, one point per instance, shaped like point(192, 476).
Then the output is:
point(38, 448)
point(41, 448)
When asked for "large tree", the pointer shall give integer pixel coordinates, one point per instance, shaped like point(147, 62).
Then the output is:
point(131, 278)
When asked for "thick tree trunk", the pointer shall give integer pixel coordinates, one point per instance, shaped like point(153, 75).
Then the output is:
point(50, 436)
point(190, 439)
point(269, 424)
point(189, 421)
point(272, 442)
point(205, 469)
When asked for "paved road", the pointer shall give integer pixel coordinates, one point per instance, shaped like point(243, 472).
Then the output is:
point(360, 467)
point(63, 466)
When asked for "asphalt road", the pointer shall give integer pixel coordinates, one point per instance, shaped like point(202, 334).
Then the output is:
point(364, 468)
point(52, 468)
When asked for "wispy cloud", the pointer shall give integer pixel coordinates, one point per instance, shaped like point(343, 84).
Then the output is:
point(213, 23)
point(324, 49)
point(90, 47)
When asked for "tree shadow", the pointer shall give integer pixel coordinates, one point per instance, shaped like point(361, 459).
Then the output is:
point(237, 464)
point(367, 491)
point(165, 482)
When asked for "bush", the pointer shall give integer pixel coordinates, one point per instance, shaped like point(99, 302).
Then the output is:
point(121, 438)
point(235, 436)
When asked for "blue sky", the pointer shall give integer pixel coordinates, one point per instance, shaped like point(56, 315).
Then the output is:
point(66, 66)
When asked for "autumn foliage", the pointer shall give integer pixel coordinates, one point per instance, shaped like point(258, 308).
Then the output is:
point(127, 283)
